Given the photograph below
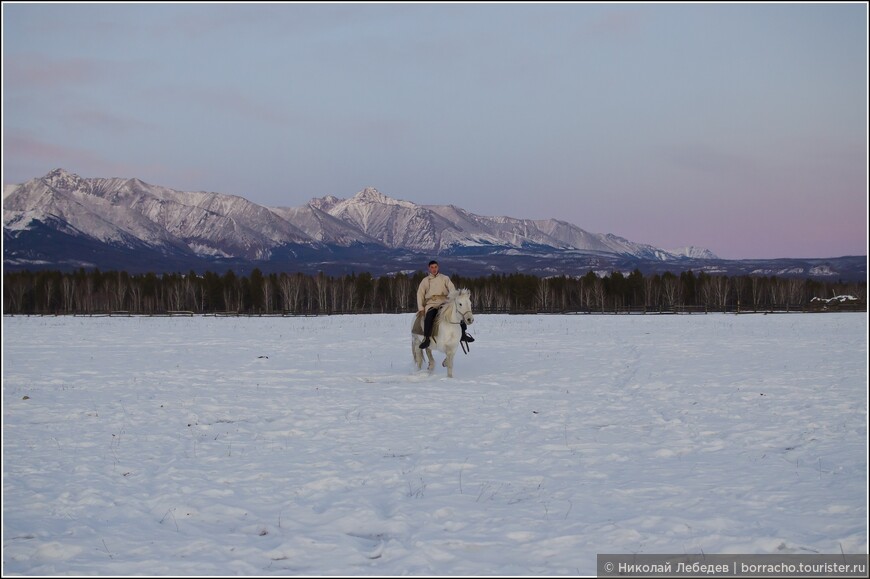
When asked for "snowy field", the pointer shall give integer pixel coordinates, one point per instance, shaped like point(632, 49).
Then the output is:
point(280, 446)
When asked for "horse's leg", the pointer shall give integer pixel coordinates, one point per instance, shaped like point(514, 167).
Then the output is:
point(431, 359)
point(418, 355)
point(448, 361)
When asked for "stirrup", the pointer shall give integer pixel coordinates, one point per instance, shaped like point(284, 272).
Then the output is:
point(466, 338)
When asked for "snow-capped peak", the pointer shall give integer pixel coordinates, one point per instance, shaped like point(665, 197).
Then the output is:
point(324, 203)
point(372, 195)
point(63, 180)
point(693, 252)
point(59, 173)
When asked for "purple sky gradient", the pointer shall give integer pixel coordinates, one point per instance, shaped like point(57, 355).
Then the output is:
point(741, 128)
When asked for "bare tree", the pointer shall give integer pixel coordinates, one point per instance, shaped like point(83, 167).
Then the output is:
point(599, 293)
point(720, 288)
point(757, 291)
point(543, 296)
point(120, 293)
point(268, 294)
point(487, 297)
point(652, 288)
point(670, 289)
point(739, 283)
point(67, 288)
point(707, 292)
point(403, 293)
point(289, 291)
point(13, 295)
point(796, 289)
point(175, 295)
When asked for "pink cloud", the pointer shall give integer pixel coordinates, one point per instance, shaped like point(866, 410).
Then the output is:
point(238, 103)
point(29, 149)
point(617, 21)
point(31, 71)
point(108, 122)
point(27, 157)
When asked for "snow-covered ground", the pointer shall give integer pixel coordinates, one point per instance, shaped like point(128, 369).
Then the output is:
point(212, 446)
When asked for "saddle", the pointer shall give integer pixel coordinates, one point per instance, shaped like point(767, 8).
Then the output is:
point(417, 327)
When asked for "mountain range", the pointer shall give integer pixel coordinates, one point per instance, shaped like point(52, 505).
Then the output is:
point(63, 221)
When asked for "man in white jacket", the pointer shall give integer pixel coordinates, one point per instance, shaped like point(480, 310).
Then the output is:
point(431, 294)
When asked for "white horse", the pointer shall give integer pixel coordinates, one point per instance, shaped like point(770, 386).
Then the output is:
point(445, 331)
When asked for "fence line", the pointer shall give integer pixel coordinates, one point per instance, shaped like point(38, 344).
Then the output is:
point(633, 311)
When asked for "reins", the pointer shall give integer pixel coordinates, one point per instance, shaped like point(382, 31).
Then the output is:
point(466, 347)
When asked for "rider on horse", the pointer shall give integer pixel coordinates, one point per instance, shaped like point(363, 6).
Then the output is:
point(431, 294)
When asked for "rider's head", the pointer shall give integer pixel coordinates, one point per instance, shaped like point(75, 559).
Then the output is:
point(433, 267)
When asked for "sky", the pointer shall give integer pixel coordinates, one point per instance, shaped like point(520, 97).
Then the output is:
point(741, 128)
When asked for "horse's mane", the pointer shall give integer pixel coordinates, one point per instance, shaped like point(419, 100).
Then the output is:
point(456, 294)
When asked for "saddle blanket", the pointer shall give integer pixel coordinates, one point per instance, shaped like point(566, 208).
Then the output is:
point(417, 328)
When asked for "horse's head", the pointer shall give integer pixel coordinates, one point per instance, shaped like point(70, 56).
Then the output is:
point(461, 300)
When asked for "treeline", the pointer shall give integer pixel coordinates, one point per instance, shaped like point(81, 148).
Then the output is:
point(95, 292)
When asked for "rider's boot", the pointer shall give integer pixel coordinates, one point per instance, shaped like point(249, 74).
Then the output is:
point(428, 322)
point(465, 337)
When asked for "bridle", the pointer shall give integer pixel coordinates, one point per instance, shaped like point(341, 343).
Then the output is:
point(461, 315)
point(465, 347)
